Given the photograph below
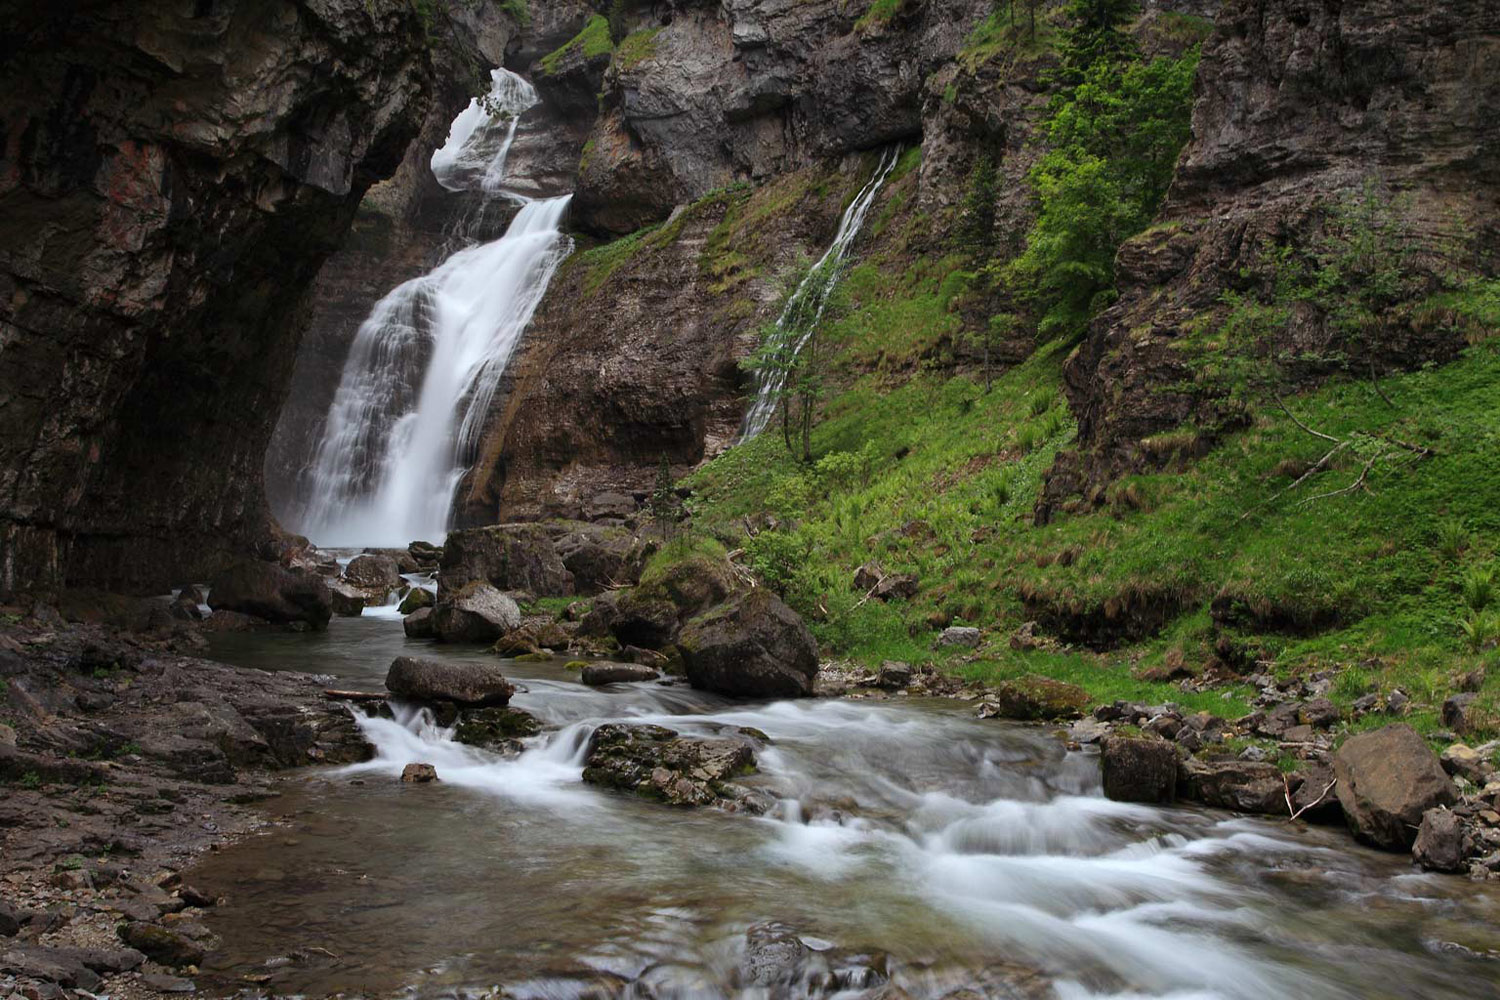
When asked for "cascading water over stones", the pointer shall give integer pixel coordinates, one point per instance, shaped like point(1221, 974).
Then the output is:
point(425, 364)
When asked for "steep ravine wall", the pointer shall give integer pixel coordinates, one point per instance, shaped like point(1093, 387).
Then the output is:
point(171, 176)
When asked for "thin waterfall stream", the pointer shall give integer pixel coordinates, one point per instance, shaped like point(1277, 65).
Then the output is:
point(804, 307)
point(425, 364)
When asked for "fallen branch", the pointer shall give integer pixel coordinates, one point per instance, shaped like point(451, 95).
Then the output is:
point(1323, 795)
point(1318, 467)
point(354, 695)
point(868, 594)
point(1288, 411)
point(1356, 485)
point(1375, 382)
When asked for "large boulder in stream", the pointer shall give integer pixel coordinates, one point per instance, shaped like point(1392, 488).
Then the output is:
point(506, 556)
point(600, 557)
point(373, 572)
point(476, 612)
point(657, 763)
point(273, 592)
point(1387, 780)
point(751, 646)
point(1139, 769)
point(418, 624)
point(649, 615)
point(438, 680)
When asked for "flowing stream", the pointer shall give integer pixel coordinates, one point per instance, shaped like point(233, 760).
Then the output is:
point(804, 307)
point(913, 841)
point(424, 366)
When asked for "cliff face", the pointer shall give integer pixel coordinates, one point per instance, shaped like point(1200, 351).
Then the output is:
point(171, 176)
point(1299, 105)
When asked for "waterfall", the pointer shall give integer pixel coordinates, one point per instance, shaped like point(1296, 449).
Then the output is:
point(424, 366)
point(804, 308)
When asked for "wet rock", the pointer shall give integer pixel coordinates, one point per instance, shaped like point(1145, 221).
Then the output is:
point(774, 957)
point(161, 944)
point(271, 592)
point(596, 674)
point(373, 572)
point(506, 557)
point(476, 612)
point(347, 601)
point(168, 984)
point(418, 624)
point(1387, 779)
point(494, 728)
point(415, 599)
point(1457, 710)
point(10, 919)
point(1137, 769)
point(958, 637)
point(437, 680)
point(657, 763)
point(1442, 842)
point(186, 609)
point(893, 675)
point(418, 774)
point(1313, 797)
point(1234, 784)
point(751, 646)
point(1037, 698)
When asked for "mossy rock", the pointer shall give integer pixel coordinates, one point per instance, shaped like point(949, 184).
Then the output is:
point(575, 664)
point(534, 658)
point(493, 726)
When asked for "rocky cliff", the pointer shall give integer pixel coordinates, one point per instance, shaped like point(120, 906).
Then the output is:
point(171, 177)
point(1299, 107)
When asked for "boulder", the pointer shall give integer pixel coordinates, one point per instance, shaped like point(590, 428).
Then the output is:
point(1442, 843)
point(438, 680)
point(639, 618)
point(272, 592)
point(506, 556)
point(1038, 698)
point(1244, 786)
point(418, 624)
point(348, 601)
point(162, 944)
point(893, 675)
point(751, 646)
point(596, 674)
point(373, 572)
point(774, 959)
point(1457, 712)
point(612, 506)
point(418, 774)
point(868, 577)
point(958, 637)
point(425, 554)
point(1138, 769)
point(600, 557)
point(476, 612)
point(494, 728)
point(1466, 762)
point(656, 763)
point(897, 587)
point(415, 599)
point(1387, 779)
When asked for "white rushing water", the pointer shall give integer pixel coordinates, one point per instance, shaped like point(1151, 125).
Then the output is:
point(804, 308)
point(425, 364)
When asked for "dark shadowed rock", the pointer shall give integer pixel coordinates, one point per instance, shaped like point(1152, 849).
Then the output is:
point(348, 601)
point(751, 646)
point(1457, 710)
point(1387, 779)
point(437, 680)
point(476, 612)
point(1244, 786)
point(1138, 769)
point(893, 675)
point(418, 624)
point(1442, 842)
point(600, 557)
point(162, 944)
point(269, 591)
point(494, 727)
point(657, 763)
point(868, 577)
point(506, 556)
point(897, 587)
point(596, 674)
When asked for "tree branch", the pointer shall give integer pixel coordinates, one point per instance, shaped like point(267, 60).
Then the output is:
point(1318, 467)
point(1288, 411)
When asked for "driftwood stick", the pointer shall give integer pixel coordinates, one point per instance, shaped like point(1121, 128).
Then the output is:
point(355, 695)
point(1323, 795)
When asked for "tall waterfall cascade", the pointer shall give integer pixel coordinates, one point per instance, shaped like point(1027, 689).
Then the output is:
point(423, 368)
point(804, 307)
